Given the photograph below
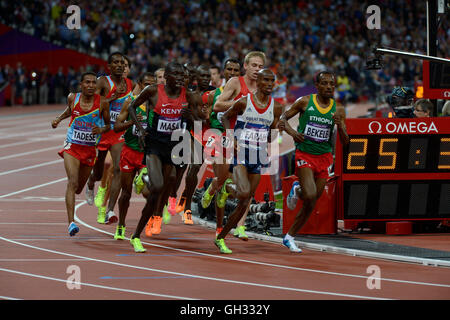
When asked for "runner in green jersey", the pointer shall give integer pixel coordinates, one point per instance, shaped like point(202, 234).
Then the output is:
point(318, 113)
point(132, 153)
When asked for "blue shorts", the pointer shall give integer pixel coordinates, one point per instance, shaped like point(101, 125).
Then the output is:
point(253, 163)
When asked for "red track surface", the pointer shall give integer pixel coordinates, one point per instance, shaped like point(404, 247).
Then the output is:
point(180, 263)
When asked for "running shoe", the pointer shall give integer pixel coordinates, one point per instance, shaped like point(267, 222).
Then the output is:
point(222, 197)
point(137, 245)
point(187, 217)
point(166, 215)
point(100, 196)
point(220, 243)
point(172, 209)
point(73, 229)
point(290, 243)
point(101, 216)
point(120, 233)
point(148, 227)
point(181, 204)
point(89, 196)
point(239, 232)
point(207, 197)
point(292, 198)
point(156, 228)
point(111, 217)
point(138, 183)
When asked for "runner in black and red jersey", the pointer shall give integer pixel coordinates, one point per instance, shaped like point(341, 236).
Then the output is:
point(116, 89)
point(89, 120)
point(170, 107)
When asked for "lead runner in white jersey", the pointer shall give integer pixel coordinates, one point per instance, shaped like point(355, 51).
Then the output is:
point(256, 115)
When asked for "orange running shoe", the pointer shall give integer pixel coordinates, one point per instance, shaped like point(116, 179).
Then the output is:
point(187, 217)
point(156, 228)
point(180, 205)
point(148, 227)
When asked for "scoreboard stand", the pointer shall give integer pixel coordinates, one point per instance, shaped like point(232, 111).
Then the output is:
point(394, 170)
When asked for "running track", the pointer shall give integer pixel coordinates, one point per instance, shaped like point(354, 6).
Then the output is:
point(180, 263)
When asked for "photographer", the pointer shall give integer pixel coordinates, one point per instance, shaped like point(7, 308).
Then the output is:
point(401, 101)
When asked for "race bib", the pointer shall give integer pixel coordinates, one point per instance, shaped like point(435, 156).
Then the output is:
point(83, 137)
point(254, 135)
point(317, 132)
point(135, 129)
point(168, 125)
point(113, 116)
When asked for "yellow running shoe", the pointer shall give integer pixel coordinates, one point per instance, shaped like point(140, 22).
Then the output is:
point(239, 232)
point(166, 215)
point(137, 245)
point(222, 197)
point(120, 233)
point(206, 197)
point(138, 183)
point(100, 196)
point(101, 216)
point(220, 243)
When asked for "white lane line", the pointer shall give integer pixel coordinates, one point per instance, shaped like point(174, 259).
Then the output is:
point(260, 285)
point(15, 135)
point(32, 188)
point(33, 140)
point(96, 285)
point(260, 263)
point(15, 155)
point(43, 164)
point(39, 260)
point(9, 298)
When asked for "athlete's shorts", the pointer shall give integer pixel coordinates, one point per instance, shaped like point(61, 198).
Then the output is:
point(162, 150)
point(130, 159)
point(319, 163)
point(85, 154)
point(251, 160)
point(109, 139)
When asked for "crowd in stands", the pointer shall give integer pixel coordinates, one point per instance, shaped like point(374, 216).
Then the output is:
point(303, 36)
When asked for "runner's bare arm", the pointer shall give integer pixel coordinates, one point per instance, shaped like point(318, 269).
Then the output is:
point(299, 107)
point(225, 99)
point(66, 113)
point(121, 121)
point(339, 120)
point(104, 112)
point(277, 112)
point(238, 107)
point(146, 95)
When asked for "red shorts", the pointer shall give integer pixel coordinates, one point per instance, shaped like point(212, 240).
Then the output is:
point(109, 139)
point(85, 154)
point(130, 160)
point(319, 163)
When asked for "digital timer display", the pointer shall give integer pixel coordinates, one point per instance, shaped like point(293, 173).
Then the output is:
point(394, 169)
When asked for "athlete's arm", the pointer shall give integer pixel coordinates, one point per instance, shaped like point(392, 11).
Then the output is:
point(339, 120)
point(66, 113)
point(238, 107)
point(277, 112)
point(122, 122)
point(144, 96)
point(225, 99)
point(104, 112)
point(298, 107)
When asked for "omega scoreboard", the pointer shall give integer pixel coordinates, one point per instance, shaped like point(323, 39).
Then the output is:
point(394, 169)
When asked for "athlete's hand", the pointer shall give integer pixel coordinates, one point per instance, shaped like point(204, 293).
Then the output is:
point(338, 119)
point(141, 140)
point(282, 125)
point(298, 137)
point(55, 123)
point(96, 130)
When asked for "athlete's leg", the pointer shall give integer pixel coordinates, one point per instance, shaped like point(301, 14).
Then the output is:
point(309, 192)
point(72, 167)
point(115, 182)
point(126, 182)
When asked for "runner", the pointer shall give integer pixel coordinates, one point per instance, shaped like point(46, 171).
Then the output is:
point(232, 68)
point(88, 112)
point(257, 114)
point(116, 88)
point(236, 88)
point(132, 154)
point(318, 113)
point(167, 106)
